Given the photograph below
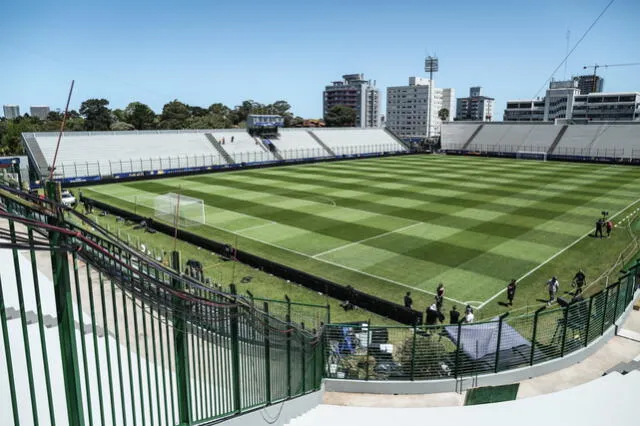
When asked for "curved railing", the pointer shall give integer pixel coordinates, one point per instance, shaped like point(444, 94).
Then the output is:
point(119, 338)
point(364, 352)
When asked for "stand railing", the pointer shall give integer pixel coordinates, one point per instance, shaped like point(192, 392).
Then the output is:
point(364, 352)
point(96, 333)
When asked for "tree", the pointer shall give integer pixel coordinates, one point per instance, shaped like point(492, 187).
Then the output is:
point(197, 111)
point(140, 116)
point(174, 115)
point(54, 116)
point(340, 116)
point(96, 114)
point(121, 125)
point(118, 115)
point(443, 114)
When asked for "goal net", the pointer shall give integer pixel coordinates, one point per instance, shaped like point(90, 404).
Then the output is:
point(531, 155)
point(190, 211)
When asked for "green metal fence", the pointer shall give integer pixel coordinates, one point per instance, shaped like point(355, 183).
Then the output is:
point(364, 352)
point(94, 332)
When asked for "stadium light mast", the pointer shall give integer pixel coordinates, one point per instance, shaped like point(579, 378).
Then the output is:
point(430, 66)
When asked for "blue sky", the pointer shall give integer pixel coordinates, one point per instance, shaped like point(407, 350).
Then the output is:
point(201, 52)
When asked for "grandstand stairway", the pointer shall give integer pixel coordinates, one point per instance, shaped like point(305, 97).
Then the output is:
point(472, 137)
point(556, 141)
point(36, 154)
point(275, 152)
point(220, 149)
point(394, 136)
point(317, 139)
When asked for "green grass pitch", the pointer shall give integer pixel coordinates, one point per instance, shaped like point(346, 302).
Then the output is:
point(394, 224)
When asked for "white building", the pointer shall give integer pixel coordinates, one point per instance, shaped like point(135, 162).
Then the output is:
point(623, 106)
point(11, 111)
point(355, 92)
point(408, 108)
point(449, 102)
point(564, 101)
point(475, 107)
point(39, 111)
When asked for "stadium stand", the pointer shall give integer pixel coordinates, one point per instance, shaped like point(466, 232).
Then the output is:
point(244, 148)
point(603, 140)
point(98, 155)
point(611, 141)
point(595, 402)
point(109, 153)
point(298, 143)
point(514, 137)
point(358, 141)
point(456, 135)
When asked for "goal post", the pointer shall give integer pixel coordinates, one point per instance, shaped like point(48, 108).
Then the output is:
point(189, 210)
point(531, 155)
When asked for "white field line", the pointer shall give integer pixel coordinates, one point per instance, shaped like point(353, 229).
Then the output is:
point(404, 228)
point(554, 256)
point(335, 263)
point(256, 226)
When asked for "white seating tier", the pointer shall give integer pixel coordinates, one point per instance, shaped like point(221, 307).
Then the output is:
point(298, 143)
point(358, 141)
point(454, 136)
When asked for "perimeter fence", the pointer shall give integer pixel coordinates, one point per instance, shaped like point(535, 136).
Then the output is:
point(94, 332)
point(364, 352)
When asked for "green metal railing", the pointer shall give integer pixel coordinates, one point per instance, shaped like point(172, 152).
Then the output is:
point(94, 332)
point(364, 352)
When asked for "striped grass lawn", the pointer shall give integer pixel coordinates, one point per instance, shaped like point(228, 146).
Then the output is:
point(394, 224)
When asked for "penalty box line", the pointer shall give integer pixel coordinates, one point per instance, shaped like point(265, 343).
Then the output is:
point(338, 264)
point(555, 255)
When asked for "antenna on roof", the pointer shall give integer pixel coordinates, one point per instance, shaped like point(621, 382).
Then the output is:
point(64, 120)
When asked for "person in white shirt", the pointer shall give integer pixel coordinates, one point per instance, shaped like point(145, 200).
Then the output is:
point(552, 285)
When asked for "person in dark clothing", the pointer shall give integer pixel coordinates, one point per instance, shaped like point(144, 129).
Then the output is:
point(599, 224)
point(439, 296)
point(609, 228)
point(511, 291)
point(347, 306)
point(432, 315)
point(579, 281)
point(408, 301)
point(454, 316)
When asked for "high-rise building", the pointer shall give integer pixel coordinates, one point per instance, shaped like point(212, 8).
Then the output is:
point(11, 111)
point(475, 107)
point(564, 101)
point(589, 83)
point(449, 102)
point(408, 108)
point(355, 92)
point(607, 106)
point(39, 111)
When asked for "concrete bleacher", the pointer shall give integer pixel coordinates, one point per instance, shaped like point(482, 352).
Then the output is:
point(298, 143)
point(244, 148)
point(601, 140)
point(97, 155)
point(612, 398)
point(106, 153)
point(514, 137)
point(358, 141)
point(611, 140)
point(455, 135)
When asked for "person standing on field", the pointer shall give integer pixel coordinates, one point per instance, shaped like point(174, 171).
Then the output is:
point(609, 228)
point(439, 296)
point(511, 291)
point(552, 285)
point(408, 301)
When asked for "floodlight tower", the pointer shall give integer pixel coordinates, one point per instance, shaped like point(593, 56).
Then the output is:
point(430, 66)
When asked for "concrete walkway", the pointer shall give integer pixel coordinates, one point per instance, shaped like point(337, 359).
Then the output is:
point(621, 348)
